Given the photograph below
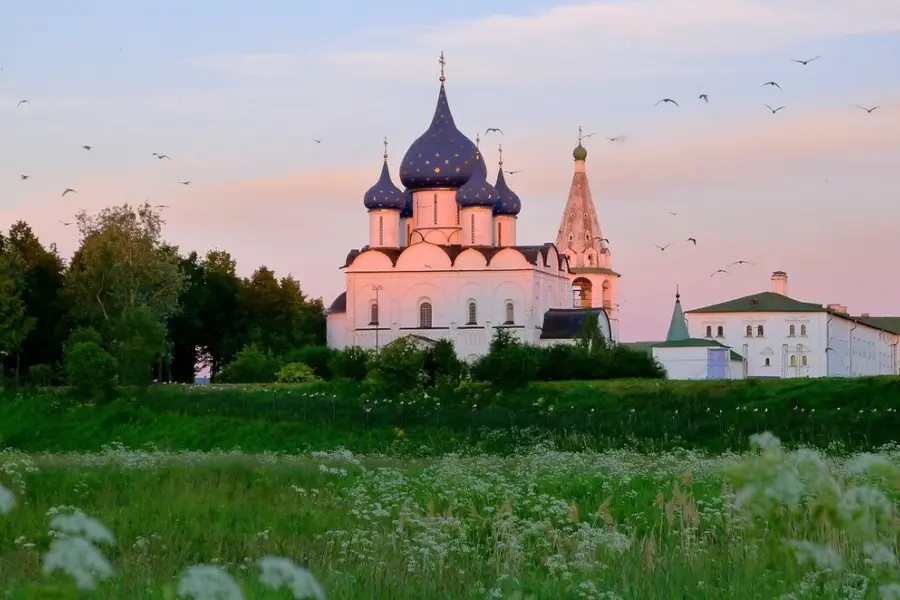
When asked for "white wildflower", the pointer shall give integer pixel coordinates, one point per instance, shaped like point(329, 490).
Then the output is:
point(821, 555)
point(206, 582)
point(278, 572)
point(879, 554)
point(79, 524)
point(7, 501)
point(78, 558)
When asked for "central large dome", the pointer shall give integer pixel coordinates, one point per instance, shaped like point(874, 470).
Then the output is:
point(442, 157)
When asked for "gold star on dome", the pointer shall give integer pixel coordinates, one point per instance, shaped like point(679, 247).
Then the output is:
point(457, 169)
point(437, 169)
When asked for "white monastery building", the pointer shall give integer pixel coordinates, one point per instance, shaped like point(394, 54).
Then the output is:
point(771, 335)
point(443, 260)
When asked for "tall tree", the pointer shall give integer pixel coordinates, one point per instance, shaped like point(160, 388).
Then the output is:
point(126, 283)
point(15, 324)
point(186, 327)
point(221, 312)
point(44, 276)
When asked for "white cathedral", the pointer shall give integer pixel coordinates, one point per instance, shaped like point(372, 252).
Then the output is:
point(443, 261)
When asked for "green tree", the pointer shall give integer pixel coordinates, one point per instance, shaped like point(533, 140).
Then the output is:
point(125, 282)
point(221, 339)
point(15, 324)
point(186, 327)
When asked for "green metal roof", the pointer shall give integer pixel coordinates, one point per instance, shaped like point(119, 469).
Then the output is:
point(594, 270)
point(762, 302)
point(678, 326)
point(891, 324)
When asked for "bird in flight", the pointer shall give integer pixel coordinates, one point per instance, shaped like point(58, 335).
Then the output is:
point(587, 135)
point(771, 83)
point(663, 248)
point(66, 223)
point(512, 172)
point(23, 177)
point(21, 102)
point(162, 206)
point(673, 213)
point(868, 110)
point(161, 156)
point(88, 148)
point(714, 273)
point(185, 182)
point(693, 240)
point(618, 138)
point(705, 98)
point(667, 100)
point(804, 62)
point(601, 239)
point(490, 129)
point(774, 110)
point(740, 262)
point(318, 141)
point(69, 190)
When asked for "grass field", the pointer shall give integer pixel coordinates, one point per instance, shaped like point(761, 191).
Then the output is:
point(538, 524)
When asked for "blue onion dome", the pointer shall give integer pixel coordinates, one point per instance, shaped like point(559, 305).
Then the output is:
point(477, 191)
point(407, 213)
point(508, 202)
point(440, 157)
point(384, 194)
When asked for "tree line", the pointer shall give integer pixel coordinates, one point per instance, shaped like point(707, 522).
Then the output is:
point(131, 307)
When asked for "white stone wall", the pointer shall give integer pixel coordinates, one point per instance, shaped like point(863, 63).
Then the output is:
point(859, 350)
point(691, 363)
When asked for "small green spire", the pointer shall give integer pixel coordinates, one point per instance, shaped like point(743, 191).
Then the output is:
point(678, 327)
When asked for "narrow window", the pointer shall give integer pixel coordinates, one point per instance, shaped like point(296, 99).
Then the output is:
point(435, 209)
point(499, 234)
point(472, 227)
point(425, 315)
point(373, 317)
point(457, 214)
point(749, 330)
point(720, 331)
point(587, 236)
point(793, 360)
point(381, 231)
point(709, 331)
point(408, 233)
point(804, 360)
point(473, 313)
point(760, 332)
point(510, 313)
point(792, 330)
point(768, 363)
point(803, 330)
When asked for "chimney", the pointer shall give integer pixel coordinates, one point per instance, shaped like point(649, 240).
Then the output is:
point(865, 315)
point(779, 283)
point(838, 308)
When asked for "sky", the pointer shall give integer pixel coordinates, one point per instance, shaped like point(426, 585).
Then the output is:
point(235, 92)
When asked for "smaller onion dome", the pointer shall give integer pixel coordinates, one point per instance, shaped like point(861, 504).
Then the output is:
point(477, 191)
point(384, 194)
point(579, 153)
point(406, 212)
point(508, 202)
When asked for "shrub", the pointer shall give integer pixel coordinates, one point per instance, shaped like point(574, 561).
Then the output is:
point(251, 365)
point(350, 363)
point(296, 372)
point(91, 370)
point(40, 375)
point(509, 364)
point(442, 366)
point(399, 366)
point(318, 358)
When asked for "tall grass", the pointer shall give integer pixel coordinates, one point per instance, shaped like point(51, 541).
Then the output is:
point(540, 523)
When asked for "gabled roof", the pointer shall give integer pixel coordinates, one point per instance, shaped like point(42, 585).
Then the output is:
point(566, 323)
point(762, 302)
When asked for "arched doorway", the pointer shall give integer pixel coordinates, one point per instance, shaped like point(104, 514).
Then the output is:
point(582, 293)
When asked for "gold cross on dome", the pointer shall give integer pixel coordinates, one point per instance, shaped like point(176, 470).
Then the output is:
point(442, 62)
point(580, 130)
point(500, 153)
point(385, 148)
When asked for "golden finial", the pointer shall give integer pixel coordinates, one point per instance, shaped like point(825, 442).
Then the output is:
point(677, 292)
point(385, 149)
point(580, 131)
point(500, 153)
point(477, 140)
point(442, 62)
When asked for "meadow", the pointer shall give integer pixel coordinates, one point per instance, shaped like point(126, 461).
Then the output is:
point(538, 523)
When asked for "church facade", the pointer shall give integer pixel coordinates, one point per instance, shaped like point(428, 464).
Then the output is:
point(443, 259)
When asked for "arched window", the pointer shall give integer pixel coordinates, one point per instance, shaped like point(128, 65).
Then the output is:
point(472, 227)
point(570, 237)
point(760, 332)
point(425, 315)
point(793, 360)
point(380, 230)
point(792, 330)
point(587, 236)
point(435, 209)
point(768, 363)
point(373, 314)
point(510, 313)
point(803, 330)
point(709, 331)
point(804, 360)
point(473, 313)
point(720, 331)
point(749, 330)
